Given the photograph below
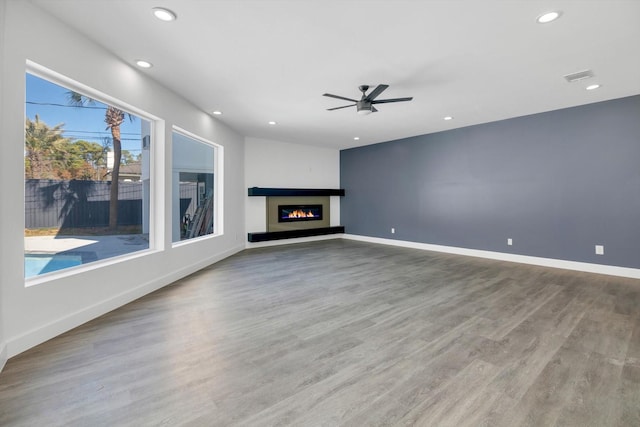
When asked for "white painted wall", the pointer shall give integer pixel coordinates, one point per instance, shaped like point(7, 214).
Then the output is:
point(31, 315)
point(274, 164)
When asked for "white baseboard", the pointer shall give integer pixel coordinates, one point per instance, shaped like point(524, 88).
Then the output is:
point(610, 270)
point(27, 340)
point(250, 245)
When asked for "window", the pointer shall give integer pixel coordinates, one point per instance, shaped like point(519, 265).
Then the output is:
point(87, 177)
point(195, 197)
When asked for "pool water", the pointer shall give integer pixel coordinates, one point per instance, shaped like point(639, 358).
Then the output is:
point(35, 264)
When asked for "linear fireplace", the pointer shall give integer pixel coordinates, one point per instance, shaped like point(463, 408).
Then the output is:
point(290, 213)
point(297, 213)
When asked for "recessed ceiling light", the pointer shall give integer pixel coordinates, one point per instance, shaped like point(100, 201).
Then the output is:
point(272, 123)
point(356, 138)
point(164, 14)
point(548, 17)
point(592, 87)
point(143, 64)
point(216, 113)
point(448, 118)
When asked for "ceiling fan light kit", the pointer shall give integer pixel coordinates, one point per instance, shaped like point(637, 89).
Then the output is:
point(365, 108)
point(365, 104)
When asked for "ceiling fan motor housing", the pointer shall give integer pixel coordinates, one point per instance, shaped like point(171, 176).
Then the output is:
point(364, 107)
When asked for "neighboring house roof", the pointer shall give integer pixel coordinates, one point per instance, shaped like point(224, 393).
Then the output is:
point(131, 171)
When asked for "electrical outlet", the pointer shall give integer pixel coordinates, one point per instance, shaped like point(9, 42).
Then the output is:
point(510, 241)
point(599, 250)
point(393, 230)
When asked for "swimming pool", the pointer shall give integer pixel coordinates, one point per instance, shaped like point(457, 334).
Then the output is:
point(35, 264)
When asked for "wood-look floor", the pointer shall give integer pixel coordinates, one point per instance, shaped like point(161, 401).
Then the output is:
point(346, 333)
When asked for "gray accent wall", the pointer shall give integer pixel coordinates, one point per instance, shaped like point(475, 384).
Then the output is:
point(557, 183)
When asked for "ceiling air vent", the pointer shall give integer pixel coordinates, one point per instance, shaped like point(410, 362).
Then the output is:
point(580, 75)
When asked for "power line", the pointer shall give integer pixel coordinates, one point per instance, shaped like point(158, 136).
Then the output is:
point(53, 104)
point(100, 132)
point(96, 138)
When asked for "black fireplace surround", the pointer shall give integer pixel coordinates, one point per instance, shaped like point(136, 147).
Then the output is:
point(277, 235)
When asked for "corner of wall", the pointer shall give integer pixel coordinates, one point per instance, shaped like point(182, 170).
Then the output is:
point(3, 355)
point(270, 163)
point(3, 344)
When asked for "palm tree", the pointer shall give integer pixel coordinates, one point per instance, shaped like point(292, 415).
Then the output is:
point(41, 142)
point(113, 117)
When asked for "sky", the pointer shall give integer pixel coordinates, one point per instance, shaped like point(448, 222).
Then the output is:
point(49, 101)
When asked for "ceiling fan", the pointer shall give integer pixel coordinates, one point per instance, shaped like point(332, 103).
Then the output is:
point(365, 104)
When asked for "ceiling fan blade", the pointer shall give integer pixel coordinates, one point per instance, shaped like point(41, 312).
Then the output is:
point(374, 109)
point(339, 97)
point(377, 91)
point(386, 101)
point(337, 108)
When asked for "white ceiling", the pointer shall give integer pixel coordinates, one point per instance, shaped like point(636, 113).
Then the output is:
point(476, 60)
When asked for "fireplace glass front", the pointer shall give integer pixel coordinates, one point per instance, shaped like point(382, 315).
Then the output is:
point(291, 213)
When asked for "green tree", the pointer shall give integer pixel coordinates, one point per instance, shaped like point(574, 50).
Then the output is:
point(80, 160)
point(94, 154)
point(114, 117)
point(41, 145)
point(127, 157)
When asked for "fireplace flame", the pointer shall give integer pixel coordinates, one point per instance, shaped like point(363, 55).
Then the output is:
point(299, 213)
